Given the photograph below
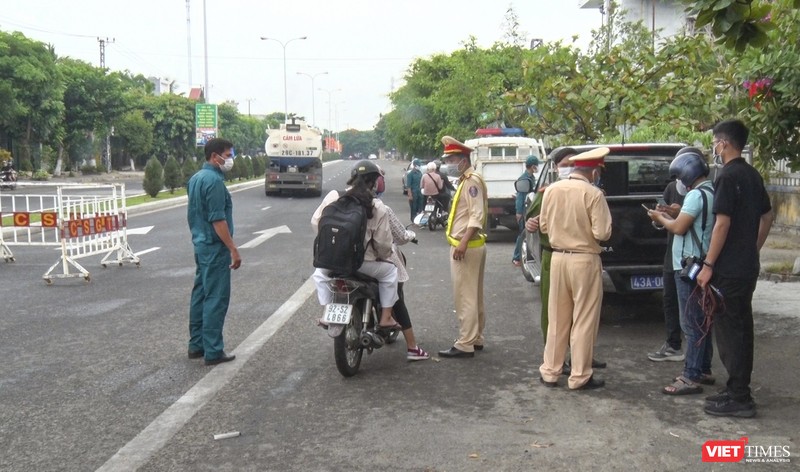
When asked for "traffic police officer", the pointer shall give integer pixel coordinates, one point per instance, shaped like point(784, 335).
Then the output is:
point(210, 215)
point(575, 216)
point(465, 226)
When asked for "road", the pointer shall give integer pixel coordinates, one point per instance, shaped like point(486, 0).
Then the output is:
point(95, 375)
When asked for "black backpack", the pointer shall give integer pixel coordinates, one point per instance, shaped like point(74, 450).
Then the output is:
point(339, 245)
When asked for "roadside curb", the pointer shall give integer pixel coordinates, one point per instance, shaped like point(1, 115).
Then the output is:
point(182, 200)
point(778, 277)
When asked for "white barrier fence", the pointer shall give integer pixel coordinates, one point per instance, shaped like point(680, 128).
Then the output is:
point(81, 219)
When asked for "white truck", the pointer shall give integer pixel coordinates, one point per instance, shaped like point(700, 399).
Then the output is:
point(294, 152)
point(499, 156)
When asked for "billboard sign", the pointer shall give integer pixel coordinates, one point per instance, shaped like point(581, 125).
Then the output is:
point(205, 122)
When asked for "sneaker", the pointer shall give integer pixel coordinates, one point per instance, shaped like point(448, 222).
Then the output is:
point(718, 397)
point(731, 407)
point(417, 354)
point(666, 353)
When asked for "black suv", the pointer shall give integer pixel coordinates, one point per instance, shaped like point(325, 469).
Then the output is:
point(633, 258)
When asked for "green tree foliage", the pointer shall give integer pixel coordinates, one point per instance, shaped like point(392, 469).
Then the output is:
point(31, 93)
point(621, 84)
point(93, 100)
point(738, 23)
point(172, 117)
point(452, 94)
point(188, 169)
point(133, 134)
point(768, 83)
point(359, 142)
point(245, 132)
point(259, 166)
point(153, 177)
point(173, 177)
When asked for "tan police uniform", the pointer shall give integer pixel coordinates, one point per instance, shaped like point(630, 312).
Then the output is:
point(468, 209)
point(575, 216)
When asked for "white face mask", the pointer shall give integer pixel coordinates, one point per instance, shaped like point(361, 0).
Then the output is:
point(227, 166)
point(563, 172)
point(682, 189)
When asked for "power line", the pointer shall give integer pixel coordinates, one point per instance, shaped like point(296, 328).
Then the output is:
point(33, 28)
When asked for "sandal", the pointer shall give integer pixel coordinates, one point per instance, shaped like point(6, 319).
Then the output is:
point(390, 327)
point(682, 386)
point(706, 379)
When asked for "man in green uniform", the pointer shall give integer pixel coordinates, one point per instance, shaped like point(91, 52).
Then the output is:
point(465, 225)
point(210, 215)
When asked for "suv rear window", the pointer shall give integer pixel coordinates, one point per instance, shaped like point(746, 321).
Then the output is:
point(636, 175)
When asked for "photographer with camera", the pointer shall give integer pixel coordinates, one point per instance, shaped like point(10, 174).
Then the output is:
point(692, 229)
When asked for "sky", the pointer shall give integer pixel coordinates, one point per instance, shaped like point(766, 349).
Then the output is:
point(365, 46)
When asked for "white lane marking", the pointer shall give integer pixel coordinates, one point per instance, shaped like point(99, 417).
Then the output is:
point(155, 436)
point(265, 208)
point(264, 235)
point(142, 230)
point(146, 251)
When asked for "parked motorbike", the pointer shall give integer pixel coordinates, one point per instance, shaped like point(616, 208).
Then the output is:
point(352, 321)
point(8, 180)
point(433, 215)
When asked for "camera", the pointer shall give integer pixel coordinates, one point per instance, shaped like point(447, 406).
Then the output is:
point(691, 266)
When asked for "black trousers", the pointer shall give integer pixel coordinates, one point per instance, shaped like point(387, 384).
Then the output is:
point(733, 330)
point(399, 310)
point(672, 318)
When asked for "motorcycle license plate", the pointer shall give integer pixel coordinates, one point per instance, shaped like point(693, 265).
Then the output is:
point(428, 207)
point(337, 313)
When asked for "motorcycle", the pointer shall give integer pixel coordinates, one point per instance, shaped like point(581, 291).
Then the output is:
point(434, 215)
point(8, 181)
point(352, 320)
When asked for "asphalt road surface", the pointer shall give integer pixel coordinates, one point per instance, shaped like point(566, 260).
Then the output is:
point(95, 375)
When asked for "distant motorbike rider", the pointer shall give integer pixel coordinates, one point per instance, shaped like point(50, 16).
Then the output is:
point(8, 172)
point(433, 186)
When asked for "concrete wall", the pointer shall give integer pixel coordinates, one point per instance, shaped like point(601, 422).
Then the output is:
point(786, 205)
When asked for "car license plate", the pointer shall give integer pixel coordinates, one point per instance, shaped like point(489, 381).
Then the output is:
point(337, 313)
point(428, 207)
point(647, 282)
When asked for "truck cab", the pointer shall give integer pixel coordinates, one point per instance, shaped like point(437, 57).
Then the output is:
point(499, 156)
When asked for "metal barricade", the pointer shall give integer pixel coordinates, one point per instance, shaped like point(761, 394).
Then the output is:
point(81, 223)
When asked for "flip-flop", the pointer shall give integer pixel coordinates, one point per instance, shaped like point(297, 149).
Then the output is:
point(706, 379)
point(682, 386)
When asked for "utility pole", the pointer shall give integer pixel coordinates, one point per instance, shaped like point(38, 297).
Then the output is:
point(248, 104)
point(107, 150)
point(205, 52)
point(189, 38)
point(103, 42)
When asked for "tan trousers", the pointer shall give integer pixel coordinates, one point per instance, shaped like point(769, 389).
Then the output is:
point(576, 295)
point(467, 275)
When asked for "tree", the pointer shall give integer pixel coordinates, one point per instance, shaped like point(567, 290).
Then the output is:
point(31, 94)
point(736, 23)
point(153, 177)
point(173, 177)
point(93, 101)
point(188, 169)
point(133, 136)
point(172, 117)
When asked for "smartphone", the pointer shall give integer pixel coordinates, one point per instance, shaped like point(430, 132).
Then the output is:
point(646, 207)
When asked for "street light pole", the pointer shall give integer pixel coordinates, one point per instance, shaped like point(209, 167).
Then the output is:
point(285, 95)
point(329, 92)
point(313, 106)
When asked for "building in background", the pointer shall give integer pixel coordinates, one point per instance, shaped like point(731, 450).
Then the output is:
point(668, 16)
